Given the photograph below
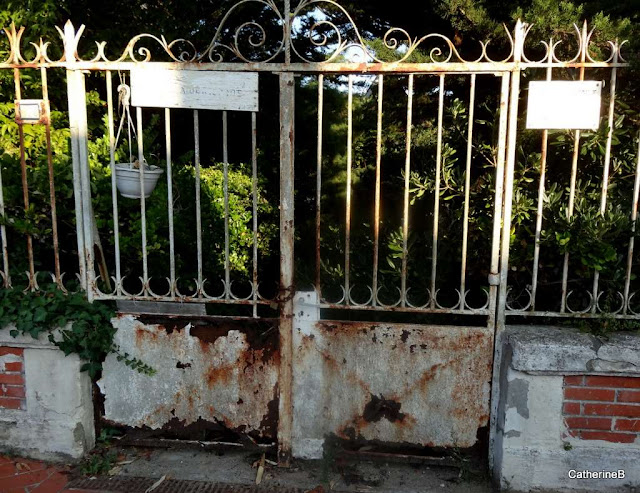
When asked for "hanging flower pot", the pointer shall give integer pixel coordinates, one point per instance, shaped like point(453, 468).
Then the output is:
point(128, 179)
point(128, 174)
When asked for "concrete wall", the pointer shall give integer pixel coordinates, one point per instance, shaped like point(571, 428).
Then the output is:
point(569, 403)
point(46, 409)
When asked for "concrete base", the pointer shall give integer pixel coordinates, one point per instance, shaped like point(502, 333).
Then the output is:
point(56, 419)
point(534, 448)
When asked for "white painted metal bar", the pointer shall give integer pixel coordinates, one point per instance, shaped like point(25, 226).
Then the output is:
point(85, 177)
point(143, 202)
point(376, 213)
point(605, 172)
point(574, 174)
point(436, 200)
point(172, 246)
point(196, 138)
point(318, 281)
point(6, 276)
point(254, 193)
point(512, 132)
point(405, 210)
point(114, 189)
point(634, 217)
point(347, 241)
point(494, 270)
point(73, 98)
point(225, 163)
point(541, 187)
point(467, 190)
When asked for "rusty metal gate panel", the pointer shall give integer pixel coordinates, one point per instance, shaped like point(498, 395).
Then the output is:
point(393, 384)
point(217, 378)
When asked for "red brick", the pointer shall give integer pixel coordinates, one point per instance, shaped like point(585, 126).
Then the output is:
point(623, 382)
point(11, 391)
point(571, 408)
point(628, 396)
point(589, 423)
point(621, 410)
point(14, 366)
point(11, 378)
point(574, 380)
point(608, 436)
point(586, 394)
point(627, 425)
point(10, 350)
point(10, 403)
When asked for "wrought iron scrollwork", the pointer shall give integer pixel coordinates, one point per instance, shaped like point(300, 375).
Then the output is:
point(335, 41)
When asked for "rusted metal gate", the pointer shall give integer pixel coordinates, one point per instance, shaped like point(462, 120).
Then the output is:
point(419, 381)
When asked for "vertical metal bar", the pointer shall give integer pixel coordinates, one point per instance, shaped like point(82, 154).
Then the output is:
point(574, 174)
point(76, 103)
point(172, 245)
point(467, 187)
point(196, 139)
point(376, 218)
point(541, 185)
point(225, 163)
point(114, 191)
point(287, 31)
point(436, 200)
point(52, 187)
point(634, 217)
point(607, 161)
point(497, 212)
point(347, 241)
point(143, 204)
point(505, 228)
point(85, 176)
point(25, 186)
point(287, 114)
point(319, 181)
point(508, 192)
point(405, 210)
point(254, 190)
point(607, 153)
point(6, 277)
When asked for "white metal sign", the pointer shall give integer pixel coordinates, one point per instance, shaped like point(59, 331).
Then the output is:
point(32, 111)
point(163, 88)
point(564, 105)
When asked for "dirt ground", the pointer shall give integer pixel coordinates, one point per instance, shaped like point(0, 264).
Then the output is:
point(239, 467)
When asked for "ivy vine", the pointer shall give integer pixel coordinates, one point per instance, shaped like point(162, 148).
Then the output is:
point(80, 327)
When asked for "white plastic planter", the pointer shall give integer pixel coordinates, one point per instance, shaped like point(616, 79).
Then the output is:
point(128, 180)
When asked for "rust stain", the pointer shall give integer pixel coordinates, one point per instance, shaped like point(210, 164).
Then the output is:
point(269, 423)
point(215, 375)
point(376, 409)
point(379, 407)
point(247, 378)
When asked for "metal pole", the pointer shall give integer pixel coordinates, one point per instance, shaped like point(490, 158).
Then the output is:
point(76, 101)
point(514, 95)
point(287, 114)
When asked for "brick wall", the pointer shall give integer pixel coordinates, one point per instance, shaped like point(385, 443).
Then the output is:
point(12, 394)
point(602, 408)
